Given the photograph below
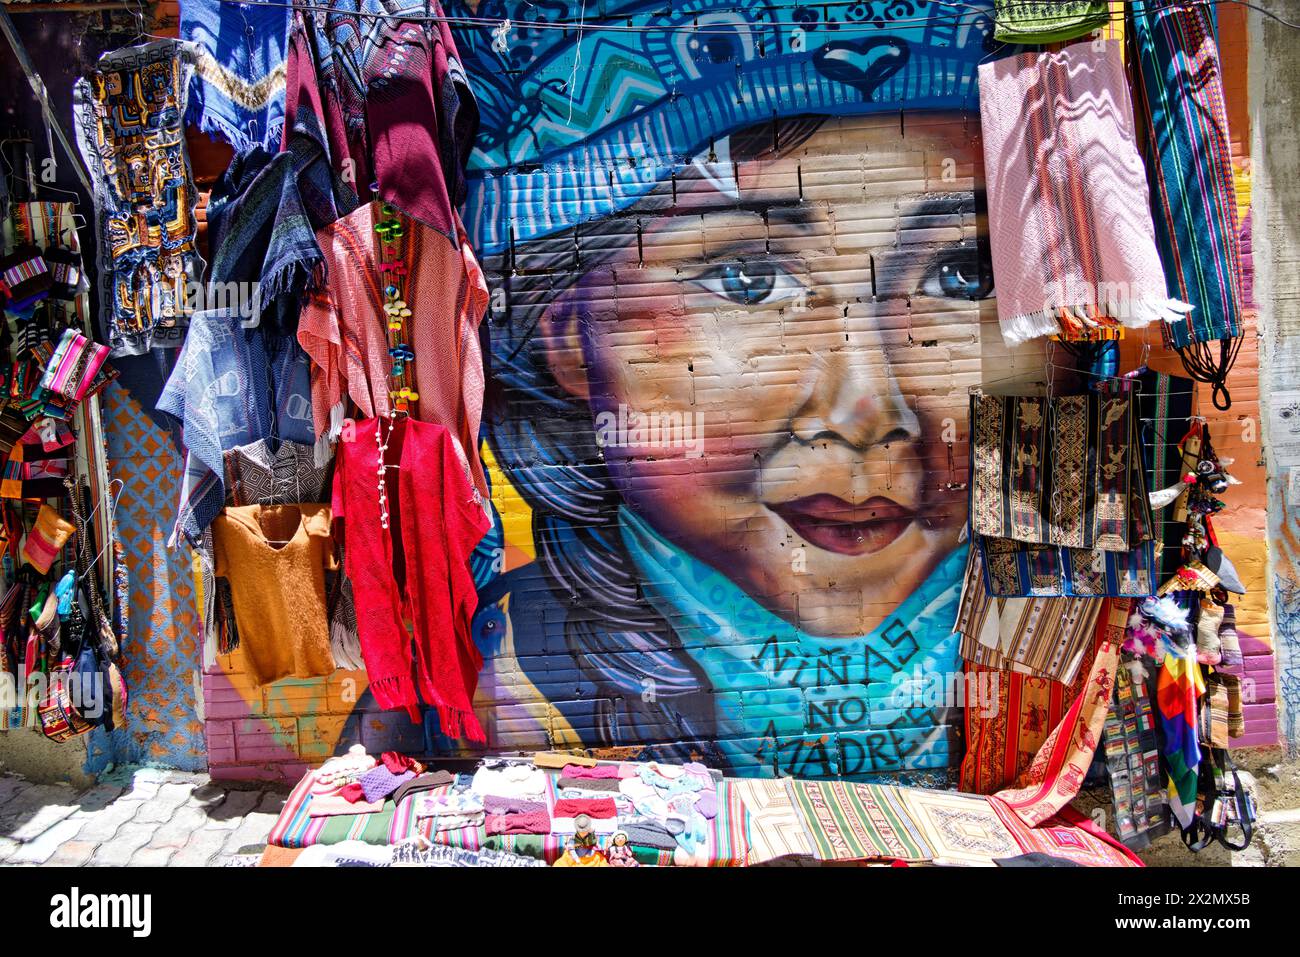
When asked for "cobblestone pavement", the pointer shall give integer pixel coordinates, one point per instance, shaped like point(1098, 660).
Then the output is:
point(137, 817)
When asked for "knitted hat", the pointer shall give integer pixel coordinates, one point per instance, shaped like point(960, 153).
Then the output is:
point(553, 146)
point(588, 784)
point(380, 782)
point(530, 822)
point(509, 805)
point(649, 834)
point(423, 782)
point(599, 772)
point(596, 808)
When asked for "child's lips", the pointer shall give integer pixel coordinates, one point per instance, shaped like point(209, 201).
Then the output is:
point(836, 525)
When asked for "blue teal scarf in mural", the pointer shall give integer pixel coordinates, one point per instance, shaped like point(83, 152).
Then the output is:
point(793, 703)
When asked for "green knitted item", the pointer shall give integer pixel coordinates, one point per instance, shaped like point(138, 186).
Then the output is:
point(1028, 21)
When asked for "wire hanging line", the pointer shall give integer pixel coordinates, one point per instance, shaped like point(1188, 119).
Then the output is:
point(963, 13)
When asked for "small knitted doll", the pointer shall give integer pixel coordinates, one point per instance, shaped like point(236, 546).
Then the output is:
point(619, 852)
point(1209, 647)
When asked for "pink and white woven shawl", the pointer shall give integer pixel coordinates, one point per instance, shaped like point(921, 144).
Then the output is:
point(1074, 250)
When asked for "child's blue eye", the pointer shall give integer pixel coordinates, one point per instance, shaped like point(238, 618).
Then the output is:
point(958, 273)
point(750, 284)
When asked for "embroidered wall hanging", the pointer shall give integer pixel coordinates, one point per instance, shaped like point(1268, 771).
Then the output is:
point(129, 122)
point(1063, 472)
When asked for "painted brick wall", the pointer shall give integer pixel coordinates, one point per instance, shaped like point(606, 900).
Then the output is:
point(862, 233)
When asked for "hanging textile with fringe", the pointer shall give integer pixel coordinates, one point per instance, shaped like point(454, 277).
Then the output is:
point(1070, 232)
point(1179, 96)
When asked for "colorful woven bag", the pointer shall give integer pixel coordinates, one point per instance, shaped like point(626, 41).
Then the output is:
point(74, 365)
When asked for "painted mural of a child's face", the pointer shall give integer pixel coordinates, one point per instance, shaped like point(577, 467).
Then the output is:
point(792, 331)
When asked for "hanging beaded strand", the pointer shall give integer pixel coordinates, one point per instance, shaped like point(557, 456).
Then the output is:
point(381, 442)
point(393, 265)
point(391, 231)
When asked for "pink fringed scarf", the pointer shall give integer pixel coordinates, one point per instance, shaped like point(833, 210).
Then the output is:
point(1073, 245)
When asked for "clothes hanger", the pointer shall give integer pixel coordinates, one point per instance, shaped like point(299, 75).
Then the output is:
point(35, 190)
point(275, 481)
point(11, 167)
point(114, 501)
point(1020, 377)
point(143, 34)
point(271, 504)
point(76, 199)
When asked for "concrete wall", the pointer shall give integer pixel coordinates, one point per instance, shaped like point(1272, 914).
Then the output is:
point(1274, 82)
point(1275, 93)
point(29, 753)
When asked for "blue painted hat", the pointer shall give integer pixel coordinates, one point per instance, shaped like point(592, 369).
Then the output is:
point(562, 123)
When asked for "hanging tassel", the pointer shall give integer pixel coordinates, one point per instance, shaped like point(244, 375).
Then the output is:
point(1203, 365)
point(323, 450)
point(1055, 321)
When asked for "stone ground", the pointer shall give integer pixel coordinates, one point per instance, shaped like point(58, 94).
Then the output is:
point(1275, 782)
point(140, 817)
